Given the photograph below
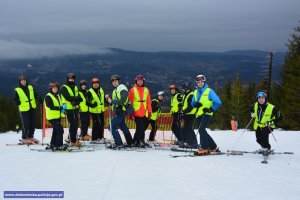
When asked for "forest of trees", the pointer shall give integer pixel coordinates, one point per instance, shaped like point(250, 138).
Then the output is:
point(236, 97)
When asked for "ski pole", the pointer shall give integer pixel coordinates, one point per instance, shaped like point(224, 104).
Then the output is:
point(242, 133)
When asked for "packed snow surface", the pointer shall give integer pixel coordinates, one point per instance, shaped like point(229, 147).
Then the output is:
point(110, 174)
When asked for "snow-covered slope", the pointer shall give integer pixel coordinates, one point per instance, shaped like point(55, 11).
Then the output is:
point(108, 174)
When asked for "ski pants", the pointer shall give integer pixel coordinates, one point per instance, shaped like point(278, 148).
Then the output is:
point(84, 122)
point(72, 116)
point(206, 140)
point(262, 137)
point(176, 127)
point(98, 126)
point(153, 129)
point(188, 133)
point(28, 122)
point(141, 125)
point(119, 121)
point(57, 133)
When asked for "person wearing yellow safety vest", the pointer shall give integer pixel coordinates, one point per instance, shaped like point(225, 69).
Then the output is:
point(27, 99)
point(188, 118)
point(70, 96)
point(95, 98)
point(140, 97)
point(54, 109)
point(84, 114)
point(265, 116)
point(119, 103)
point(156, 109)
point(206, 101)
point(176, 106)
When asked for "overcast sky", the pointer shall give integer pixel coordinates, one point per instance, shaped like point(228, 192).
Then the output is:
point(146, 25)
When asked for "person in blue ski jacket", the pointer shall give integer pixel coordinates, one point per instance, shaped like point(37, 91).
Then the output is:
point(207, 102)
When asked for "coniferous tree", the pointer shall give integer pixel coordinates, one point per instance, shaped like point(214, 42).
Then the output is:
point(290, 101)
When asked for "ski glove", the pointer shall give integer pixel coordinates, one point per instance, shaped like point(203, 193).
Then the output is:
point(269, 123)
point(252, 115)
point(180, 105)
point(197, 105)
point(63, 108)
point(207, 110)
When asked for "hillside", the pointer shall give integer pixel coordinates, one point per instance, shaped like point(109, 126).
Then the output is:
point(159, 68)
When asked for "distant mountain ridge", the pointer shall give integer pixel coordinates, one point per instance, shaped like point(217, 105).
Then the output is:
point(159, 68)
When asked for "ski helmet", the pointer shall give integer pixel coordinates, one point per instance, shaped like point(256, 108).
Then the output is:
point(172, 87)
point(200, 77)
point(160, 93)
point(115, 77)
point(82, 82)
point(261, 94)
point(186, 87)
point(95, 80)
point(53, 84)
point(139, 77)
point(71, 75)
point(22, 77)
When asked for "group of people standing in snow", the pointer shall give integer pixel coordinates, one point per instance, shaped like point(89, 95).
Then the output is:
point(187, 105)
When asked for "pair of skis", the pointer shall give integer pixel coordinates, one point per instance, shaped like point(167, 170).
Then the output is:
point(264, 153)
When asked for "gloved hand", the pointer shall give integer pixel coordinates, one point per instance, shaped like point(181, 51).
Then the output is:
point(252, 115)
point(63, 107)
point(149, 115)
point(197, 105)
point(180, 106)
point(73, 102)
point(180, 113)
point(94, 105)
point(78, 99)
point(207, 110)
point(269, 123)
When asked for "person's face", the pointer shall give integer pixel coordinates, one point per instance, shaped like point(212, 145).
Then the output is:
point(54, 90)
point(200, 83)
point(23, 82)
point(96, 85)
point(115, 83)
point(71, 80)
point(261, 100)
point(83, 87)
point(140, 82)
point(172, 91)
point(160, 97)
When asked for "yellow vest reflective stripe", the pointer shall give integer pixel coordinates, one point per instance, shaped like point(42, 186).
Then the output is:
point(154, 115)
point(25, 102)
point(137, 101)
point(266, 117)
point(116, 95)
point(53, 114)
point(68, 103)
point(186, 103)
point(82, 106)
point(100, 101)
point(204, 100)
point(174, 103)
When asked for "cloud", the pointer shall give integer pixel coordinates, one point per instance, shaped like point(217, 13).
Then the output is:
point(14, 49)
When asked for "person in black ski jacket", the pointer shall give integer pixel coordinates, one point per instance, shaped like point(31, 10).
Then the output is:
point(54, 111)
point(265, 117)
point(27, 99)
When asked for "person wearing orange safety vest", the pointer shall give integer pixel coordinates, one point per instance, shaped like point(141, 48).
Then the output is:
point(95, 99)
point(265, 116)
point(27, 99)
point(140, 97)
